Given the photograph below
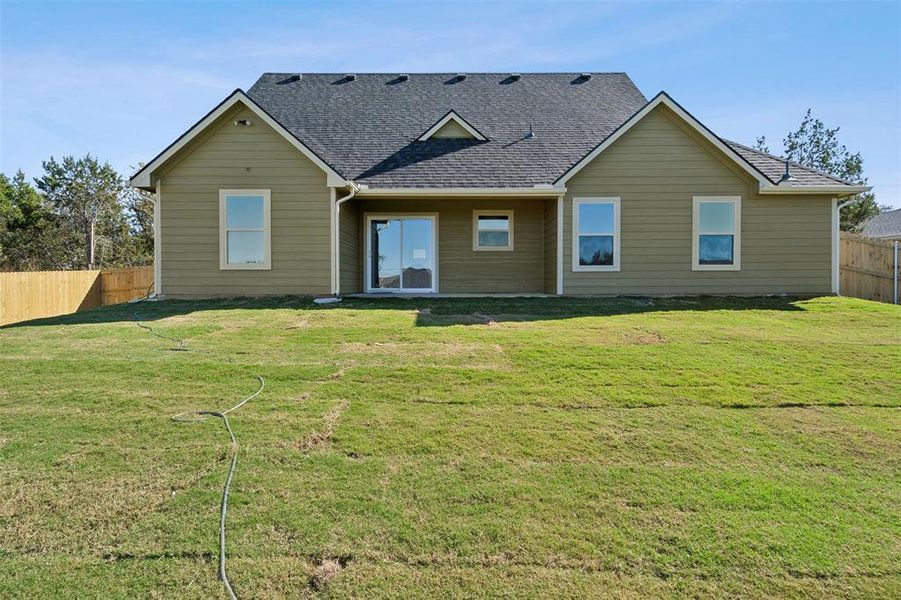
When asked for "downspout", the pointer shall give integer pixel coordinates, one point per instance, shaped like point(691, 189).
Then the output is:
point(353, 191)
point(158, 241)
point(836, 244)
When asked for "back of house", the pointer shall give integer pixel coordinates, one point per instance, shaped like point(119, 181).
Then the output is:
point(487, 183)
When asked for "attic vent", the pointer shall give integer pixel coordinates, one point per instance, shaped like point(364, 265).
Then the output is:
point(290, 79)
point(351, 77)
point(457, 78)
point(512, 78)
point(461, 76)
point(582, 78)
point(399, 79)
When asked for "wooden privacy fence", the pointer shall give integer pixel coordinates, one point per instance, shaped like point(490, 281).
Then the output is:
point(33, 295)
point(868, 268)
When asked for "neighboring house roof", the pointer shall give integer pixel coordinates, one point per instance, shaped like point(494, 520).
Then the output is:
point(534, 130)
point(886, 224)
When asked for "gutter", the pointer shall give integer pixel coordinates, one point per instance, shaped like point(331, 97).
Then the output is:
point(354, 188)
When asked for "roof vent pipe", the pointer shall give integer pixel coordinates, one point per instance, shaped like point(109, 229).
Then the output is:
point(787, 176)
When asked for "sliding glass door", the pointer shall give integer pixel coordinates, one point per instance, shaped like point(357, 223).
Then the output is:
point(400, 254)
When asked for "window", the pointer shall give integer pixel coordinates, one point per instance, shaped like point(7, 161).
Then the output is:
point(244, 229)
point(492, 230)
point(716, 233)
point(596, 234)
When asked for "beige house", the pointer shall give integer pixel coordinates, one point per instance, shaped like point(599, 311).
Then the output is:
point(559, 183)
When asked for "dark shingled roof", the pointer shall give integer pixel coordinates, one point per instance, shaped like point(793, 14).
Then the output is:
point(884, 225)
point(773, 167)
point(366, 126)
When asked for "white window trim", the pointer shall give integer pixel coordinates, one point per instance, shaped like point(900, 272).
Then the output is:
point(695, 233)
point(492, 213)
point(367, 239)
point(267, 232)
point(577, 202)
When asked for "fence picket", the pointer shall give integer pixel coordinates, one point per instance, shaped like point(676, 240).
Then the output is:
point(38, 294)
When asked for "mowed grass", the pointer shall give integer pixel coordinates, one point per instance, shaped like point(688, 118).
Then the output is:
point(457, 448)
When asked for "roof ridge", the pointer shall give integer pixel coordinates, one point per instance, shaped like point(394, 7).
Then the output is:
point(790, 162)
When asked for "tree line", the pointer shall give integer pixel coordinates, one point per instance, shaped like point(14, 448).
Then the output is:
point(82, 214)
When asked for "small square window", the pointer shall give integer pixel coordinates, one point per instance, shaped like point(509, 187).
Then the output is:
point(492, 230)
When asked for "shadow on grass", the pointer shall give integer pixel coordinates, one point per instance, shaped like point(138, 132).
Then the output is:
point(430, 312)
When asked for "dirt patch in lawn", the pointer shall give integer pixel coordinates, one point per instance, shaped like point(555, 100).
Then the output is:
point(411, 349)
point(320, 439)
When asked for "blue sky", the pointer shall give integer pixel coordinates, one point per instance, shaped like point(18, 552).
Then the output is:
point(121, 80)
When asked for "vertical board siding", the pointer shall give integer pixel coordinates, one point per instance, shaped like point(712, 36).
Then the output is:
point(40, 294)
point(867, 268)
point(462, 270)
point(656, 168)
point(235, 157)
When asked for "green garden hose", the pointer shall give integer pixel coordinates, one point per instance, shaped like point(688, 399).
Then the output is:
point(203, 415)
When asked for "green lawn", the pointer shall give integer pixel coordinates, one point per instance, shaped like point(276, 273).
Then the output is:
point(457, 448)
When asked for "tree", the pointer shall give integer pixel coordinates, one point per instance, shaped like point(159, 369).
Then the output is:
point(139, 212)
point(85, 194)
point(816, 146)
point(31, 236)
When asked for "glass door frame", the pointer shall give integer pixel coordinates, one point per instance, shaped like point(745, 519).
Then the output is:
point(367, 254)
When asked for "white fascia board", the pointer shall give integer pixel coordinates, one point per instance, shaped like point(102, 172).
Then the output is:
point(548, 192)
point(663, 98)
point(452, 116)
point(837, 190)
point(142, 179)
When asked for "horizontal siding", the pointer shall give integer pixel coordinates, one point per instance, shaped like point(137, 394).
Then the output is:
point(351, 242)
point(550, 246)
point(656, 168)
point(253, 157)
point(462, 270)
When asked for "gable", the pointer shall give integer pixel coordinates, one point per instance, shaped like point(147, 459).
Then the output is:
point(452, 126)
point(662, 153)
point(692, 124)
point(146, 177)
point(238, 156)
point(452, 129)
